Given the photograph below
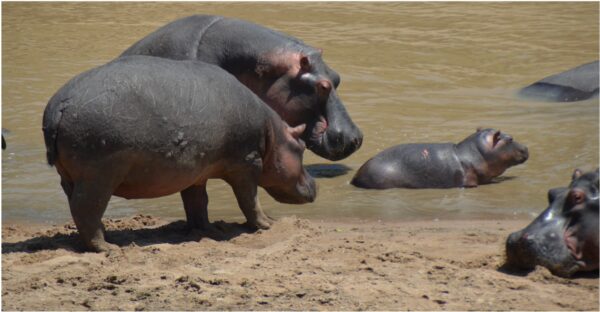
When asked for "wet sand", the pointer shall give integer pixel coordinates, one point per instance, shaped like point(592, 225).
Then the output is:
point(296, 265)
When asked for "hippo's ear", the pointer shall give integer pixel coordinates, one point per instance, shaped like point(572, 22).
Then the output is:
point(496, 138)
point(479, 129)
point(305, 65)
point(576, 174)
point(297, 131)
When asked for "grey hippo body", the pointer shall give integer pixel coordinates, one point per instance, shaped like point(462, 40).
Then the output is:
point(576, 84)
point(564, 237)
point(285, 73)
point(144, 127)
point(476, 160)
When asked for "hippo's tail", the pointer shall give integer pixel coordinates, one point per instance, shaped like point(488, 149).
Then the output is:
point(50, 123)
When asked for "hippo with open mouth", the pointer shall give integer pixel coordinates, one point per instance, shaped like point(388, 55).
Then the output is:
point(288, 75)
point(564, 237)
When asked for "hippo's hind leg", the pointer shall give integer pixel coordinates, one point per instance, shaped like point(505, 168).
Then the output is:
point(245, 189)
point(88, 202)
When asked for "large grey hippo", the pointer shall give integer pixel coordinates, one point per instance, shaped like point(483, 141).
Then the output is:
point(478, 159)
point(143, 127)
point(576, 84)
point(564, 237)
point(285, 73)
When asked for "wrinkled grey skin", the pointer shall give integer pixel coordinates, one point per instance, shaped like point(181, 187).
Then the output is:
point(144, 127)
point(476, 160)
point(577, 84)
point(563, 238)
point(285, 73)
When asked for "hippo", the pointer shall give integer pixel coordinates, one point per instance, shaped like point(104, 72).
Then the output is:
point(576, 84)
point(288, 75)
point(476, 160)
point(564, 237)
point(145, 127)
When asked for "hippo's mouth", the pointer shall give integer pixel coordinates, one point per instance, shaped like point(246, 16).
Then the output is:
point(571, 242)
point(317, 134)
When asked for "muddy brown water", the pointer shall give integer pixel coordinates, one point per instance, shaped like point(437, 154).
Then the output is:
point(411, 72)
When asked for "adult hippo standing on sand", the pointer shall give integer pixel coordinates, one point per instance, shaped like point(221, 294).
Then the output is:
point(143, 127)
point(476, 160)
point(288, 75)
point(563, 238)
point(576, 84)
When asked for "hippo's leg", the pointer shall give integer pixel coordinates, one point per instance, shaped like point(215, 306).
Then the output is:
point(67, 187)
point(245, 189)
point(195, 202)
point(88, 202)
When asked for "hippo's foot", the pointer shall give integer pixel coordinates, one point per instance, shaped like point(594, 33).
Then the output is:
point(262, 222)
point(102, 246)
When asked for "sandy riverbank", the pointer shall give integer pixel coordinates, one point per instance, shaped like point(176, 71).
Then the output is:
point(298, 264)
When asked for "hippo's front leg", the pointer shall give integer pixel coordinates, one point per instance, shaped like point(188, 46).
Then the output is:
point(195, 203)
point(245, 189)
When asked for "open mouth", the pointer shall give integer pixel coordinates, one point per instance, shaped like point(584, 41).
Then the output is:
point(571, 242)
point(318, 132)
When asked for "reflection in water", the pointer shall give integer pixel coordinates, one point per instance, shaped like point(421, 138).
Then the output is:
point(411, 72)
point(327, 170)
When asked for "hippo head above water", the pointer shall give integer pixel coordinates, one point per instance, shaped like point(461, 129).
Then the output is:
point(498, 151)
point(302, 89)
point(563, 238)
point(288, 75)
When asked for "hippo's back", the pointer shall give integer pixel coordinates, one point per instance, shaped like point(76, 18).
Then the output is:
point(576, 84)
point(212, 39)
point(412, 166)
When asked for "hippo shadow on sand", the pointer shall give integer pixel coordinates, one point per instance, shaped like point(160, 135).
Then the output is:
point(176, 232)
point(511, 270)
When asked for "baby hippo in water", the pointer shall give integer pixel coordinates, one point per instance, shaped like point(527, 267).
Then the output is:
point(476, 160)
point(143, 127)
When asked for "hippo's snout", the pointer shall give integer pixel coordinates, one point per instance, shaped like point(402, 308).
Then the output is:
point(303, 191)
point(524, 154)
point(308, 189)
point(516, 251)
point(338, 143)
point(342, 142)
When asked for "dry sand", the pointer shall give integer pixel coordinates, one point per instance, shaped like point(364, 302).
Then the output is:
point(296, 265)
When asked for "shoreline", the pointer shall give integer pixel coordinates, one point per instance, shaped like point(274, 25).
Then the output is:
point(297, 264)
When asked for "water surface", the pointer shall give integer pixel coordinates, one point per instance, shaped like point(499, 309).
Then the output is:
point(411, 72)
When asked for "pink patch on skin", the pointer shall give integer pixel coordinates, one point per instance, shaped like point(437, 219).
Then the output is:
point(572, 244)
point(425, 153)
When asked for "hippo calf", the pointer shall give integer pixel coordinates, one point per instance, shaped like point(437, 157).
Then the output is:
point(476, 160)
point(143, 127)
point(288, 75)
point(564, 237)
point(576, 84)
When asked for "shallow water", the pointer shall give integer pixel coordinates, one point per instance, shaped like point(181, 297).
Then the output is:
point(411, 72)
